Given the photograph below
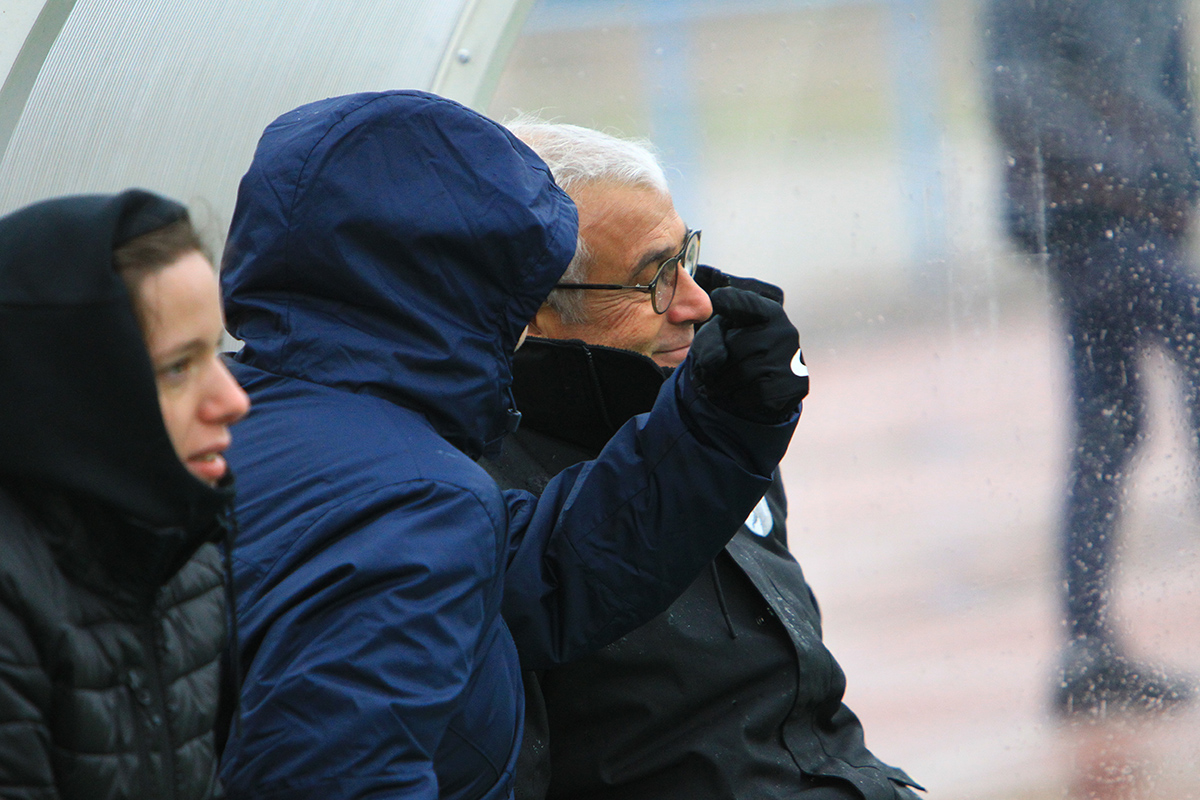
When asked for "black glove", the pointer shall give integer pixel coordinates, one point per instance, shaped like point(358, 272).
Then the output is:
point(710, 279)
point(747, 358)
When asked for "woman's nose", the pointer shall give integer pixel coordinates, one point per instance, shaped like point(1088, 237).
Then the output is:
point(227, 402)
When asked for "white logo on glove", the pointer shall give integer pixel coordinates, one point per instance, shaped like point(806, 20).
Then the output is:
point(798, 367)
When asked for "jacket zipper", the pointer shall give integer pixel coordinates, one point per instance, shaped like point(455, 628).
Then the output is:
point(160, 695)
point(137, 689)
point(150, 693)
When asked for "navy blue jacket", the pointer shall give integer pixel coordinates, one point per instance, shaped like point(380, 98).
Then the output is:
point(386, 251)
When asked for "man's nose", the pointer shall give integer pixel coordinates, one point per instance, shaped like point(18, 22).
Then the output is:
point(691, 304)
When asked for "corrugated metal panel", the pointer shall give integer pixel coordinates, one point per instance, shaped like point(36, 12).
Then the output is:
point(173, 96)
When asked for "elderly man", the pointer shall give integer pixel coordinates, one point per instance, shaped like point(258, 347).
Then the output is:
point(730, 693)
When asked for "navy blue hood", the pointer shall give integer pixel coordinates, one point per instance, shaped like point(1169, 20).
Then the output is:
point(396, 243)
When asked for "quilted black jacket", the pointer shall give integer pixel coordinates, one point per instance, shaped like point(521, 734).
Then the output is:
point(112, 605)
point(107, 680)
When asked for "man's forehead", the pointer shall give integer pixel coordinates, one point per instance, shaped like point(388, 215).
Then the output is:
point(633, 225)
point(602, 198)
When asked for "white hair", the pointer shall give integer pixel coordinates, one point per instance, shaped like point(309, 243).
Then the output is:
point(580, 157)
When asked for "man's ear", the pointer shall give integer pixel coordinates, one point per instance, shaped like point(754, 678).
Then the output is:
point(535, 325)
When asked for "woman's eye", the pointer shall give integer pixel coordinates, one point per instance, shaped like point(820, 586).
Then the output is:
point(174, 371)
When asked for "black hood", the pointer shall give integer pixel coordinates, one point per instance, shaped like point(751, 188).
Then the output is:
point(78, 398)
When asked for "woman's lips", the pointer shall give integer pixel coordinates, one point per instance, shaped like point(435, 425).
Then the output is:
point(209, 467)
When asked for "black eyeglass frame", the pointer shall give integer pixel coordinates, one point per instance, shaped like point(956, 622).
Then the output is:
point(651, 288)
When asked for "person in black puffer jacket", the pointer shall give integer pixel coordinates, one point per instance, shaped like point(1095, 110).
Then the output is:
point(113, 499)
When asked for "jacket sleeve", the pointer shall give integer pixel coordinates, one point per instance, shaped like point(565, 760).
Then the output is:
point(25, 767)
point(352, 685)
point(612, 542)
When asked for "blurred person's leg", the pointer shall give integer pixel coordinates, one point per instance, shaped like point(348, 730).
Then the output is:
point(1107, 410)
point(1172, 309)
point(1113, 282)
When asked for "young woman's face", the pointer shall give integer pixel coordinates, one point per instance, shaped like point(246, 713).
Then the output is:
point(181, 312)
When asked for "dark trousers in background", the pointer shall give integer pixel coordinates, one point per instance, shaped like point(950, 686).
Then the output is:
point(1122, 285)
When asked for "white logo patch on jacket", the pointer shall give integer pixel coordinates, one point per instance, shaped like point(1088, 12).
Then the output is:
point(760, 522)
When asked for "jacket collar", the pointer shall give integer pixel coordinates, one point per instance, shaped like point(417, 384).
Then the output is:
point(112, 552)
point(582, 393)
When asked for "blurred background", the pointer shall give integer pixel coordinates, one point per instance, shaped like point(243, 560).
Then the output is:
point(838, 148)
point(842, 149)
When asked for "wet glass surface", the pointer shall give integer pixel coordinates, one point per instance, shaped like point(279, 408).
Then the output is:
point(845, 150)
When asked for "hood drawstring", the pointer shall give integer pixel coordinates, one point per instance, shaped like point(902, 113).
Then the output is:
point(229, 522)
point(512, 420)
point(712, 568)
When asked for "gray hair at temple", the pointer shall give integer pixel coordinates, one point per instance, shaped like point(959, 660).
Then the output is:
point(580, 157)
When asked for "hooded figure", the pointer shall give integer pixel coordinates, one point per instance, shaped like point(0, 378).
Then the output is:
point(385, 255)
point(112, 611)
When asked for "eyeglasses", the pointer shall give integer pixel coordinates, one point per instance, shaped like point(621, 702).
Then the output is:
point(662, 288)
